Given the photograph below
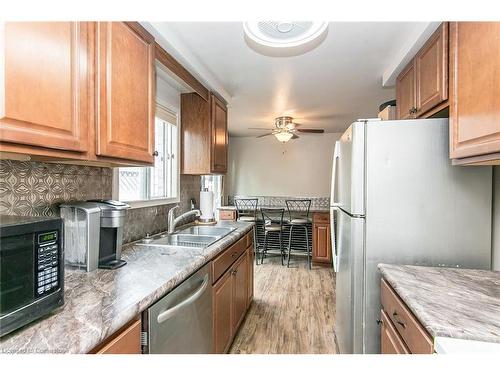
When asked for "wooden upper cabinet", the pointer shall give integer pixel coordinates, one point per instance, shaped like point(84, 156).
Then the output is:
point(204, 136)
point(47, 83)
point(431, 71)
point(423, 84)
point(126, 91)
point(219, 135)
point(405, 93)
point(474, 89)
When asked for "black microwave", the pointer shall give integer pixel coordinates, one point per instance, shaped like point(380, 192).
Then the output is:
point(31, 269)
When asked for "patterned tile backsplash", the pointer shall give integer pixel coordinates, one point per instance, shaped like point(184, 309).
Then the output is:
point(37, 189)
point(273, 201)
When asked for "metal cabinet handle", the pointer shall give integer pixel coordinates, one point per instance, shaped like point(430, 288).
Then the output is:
point(234, 254)
point(395, 316)
point(234, 272)
point(413, 110)
point(167, 314)
point(155, 153)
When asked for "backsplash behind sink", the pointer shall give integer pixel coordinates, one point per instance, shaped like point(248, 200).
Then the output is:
point(37, 189)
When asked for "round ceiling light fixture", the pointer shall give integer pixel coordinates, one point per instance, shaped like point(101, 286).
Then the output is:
point(286, 35)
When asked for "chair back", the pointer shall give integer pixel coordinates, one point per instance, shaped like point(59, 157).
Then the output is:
point(298, 208)
point(272, 216)
point(246, 207)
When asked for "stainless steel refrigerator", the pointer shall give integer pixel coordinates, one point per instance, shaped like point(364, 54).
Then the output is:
point(397, 199)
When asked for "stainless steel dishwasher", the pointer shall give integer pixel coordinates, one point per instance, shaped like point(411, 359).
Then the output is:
point(181, 322)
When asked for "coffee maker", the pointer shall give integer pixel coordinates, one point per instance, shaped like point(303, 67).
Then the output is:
point(93, 233)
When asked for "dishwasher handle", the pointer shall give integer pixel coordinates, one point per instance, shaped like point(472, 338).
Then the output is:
point(167, 314)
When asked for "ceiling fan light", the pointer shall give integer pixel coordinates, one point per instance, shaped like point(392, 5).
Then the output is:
point(283, 136)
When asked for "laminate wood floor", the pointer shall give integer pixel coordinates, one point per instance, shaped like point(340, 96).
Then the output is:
point(293, 311)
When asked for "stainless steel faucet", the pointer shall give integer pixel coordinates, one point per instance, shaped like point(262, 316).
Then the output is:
point(173, 221)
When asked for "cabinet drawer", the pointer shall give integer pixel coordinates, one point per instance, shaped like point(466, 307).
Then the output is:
point(414, 335)
point(321, 217)
point(228, 257)
point(391, 342)
point(227, 215)
point(127, 342)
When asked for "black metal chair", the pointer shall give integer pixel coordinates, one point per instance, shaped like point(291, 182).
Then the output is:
point(272, 219)
point(246, 210)
point(298, 212)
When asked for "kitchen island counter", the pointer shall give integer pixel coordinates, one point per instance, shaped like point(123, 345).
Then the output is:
point(99, 303)
point(450, 302)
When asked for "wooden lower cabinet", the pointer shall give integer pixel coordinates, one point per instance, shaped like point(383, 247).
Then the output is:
point(240, 290)
point(390, 341)
point(250, 261)
point(231, 299)
point(322, 244)
point(401, 332)
point(222, 309)
point(126, 341)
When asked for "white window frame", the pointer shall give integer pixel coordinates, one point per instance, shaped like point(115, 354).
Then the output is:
point(155, 201)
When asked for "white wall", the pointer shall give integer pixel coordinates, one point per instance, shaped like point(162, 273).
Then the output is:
point(496, 220)
point(168, 95)
point(264, 166)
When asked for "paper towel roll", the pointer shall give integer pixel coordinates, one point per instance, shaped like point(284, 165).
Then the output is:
point(207, 205)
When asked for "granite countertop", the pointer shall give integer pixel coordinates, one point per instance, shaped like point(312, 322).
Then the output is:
point(98, 303)
point(450, 302)
point(313, 209)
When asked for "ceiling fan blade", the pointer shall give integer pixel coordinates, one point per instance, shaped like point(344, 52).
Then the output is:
point(295, 136)
point(318, 131)
point(264, 135)
point(261, 128)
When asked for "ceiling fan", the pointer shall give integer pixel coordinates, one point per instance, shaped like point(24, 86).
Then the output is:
point(285, 129)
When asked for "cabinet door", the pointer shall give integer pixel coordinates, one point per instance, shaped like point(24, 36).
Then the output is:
point(222, 307)
point(322, 249)
point(219, 135)
point(47, 83)
point(431, 71)
point(127, 342)
point(405, 93)
point(126, 84)
point(474, 88)
point(240, 290)
point(250, 261)
point(390, 342)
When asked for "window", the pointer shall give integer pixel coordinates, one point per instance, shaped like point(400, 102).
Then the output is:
point(160, 182)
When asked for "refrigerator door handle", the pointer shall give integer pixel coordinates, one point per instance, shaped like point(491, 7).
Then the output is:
point(336, 157)
point(335, 238)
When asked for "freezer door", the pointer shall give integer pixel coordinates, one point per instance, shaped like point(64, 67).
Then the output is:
point(349, 283)
point(420, 209)
point(349, 167)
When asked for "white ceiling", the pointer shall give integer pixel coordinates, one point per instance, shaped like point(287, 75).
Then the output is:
point(328, 87)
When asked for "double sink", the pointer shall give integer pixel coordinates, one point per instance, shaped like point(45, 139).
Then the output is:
point(194, 236)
